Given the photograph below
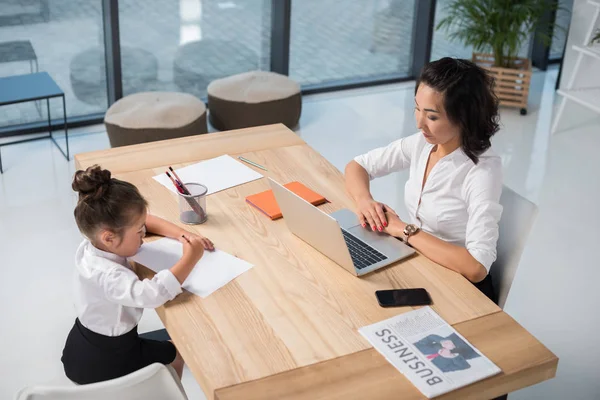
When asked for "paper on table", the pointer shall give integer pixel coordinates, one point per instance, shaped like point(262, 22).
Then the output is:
point(214, 270)
point(216, 174)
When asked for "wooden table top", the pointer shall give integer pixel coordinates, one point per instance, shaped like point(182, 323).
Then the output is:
point(295, 309)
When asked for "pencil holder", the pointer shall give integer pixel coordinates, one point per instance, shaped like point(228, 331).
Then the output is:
point(192, 207)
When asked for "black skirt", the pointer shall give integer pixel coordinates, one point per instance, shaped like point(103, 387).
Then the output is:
point(90, 357)
point(486, 287)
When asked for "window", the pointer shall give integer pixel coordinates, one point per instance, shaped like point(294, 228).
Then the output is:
point(340, 40)
point(183, 45)
point(64, 39)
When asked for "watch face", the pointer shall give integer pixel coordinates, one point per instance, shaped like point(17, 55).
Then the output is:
point(410, 229)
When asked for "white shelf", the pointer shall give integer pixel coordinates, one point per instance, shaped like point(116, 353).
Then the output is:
point(589, 50)
point(589, 98)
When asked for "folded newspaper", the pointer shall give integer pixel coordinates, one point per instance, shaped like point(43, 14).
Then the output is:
point(429, 352)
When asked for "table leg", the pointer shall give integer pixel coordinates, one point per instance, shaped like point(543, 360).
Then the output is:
point(65, 119)
point(49, 123)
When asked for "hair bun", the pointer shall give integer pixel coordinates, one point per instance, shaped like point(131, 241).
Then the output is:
point(92, 183)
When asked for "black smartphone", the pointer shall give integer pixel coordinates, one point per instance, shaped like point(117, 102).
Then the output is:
point(403, 297)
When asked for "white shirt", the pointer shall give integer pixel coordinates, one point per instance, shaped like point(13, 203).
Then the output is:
point(109, 296)
point(460, 202)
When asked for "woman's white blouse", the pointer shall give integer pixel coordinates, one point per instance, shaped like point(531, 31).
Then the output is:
point(460, 200)
point(109, 296)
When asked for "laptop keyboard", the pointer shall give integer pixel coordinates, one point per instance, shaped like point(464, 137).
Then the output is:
point(362, 254)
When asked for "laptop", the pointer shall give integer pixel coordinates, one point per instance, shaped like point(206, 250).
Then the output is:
point(339, 236)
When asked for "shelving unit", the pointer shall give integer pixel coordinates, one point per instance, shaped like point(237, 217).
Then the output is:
point(576, 89)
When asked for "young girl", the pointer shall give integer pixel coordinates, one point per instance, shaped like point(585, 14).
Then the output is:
point(109, 297)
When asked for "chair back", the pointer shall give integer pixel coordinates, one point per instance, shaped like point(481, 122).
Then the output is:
point(517, 219)
point(156, 381)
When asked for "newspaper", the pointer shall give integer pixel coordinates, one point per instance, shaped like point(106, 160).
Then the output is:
point(429, 352)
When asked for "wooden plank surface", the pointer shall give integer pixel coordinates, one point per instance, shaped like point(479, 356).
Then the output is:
point(295, 307)
point(367, 375)
point(188, 149)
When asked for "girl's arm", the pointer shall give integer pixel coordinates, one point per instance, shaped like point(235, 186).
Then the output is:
point(165, 228)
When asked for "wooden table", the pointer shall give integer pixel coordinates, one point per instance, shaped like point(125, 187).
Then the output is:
point(288, 327)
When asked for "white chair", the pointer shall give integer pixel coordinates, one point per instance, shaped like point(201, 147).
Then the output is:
point(516, 222)
point(155, 381)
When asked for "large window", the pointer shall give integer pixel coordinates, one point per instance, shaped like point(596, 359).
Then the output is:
point(443, 46)
point(351, 39)
point(63, 38)
point(183, 45)
point(563, 19)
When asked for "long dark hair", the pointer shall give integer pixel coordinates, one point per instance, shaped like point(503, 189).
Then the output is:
point(105, 202)
point(469, 100)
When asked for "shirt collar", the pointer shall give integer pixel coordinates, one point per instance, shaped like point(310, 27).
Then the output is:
point(105, 254)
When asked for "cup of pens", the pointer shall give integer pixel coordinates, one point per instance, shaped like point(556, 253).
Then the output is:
point(192, 205)
point(192, 200)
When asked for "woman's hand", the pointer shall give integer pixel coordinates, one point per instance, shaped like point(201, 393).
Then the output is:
point(373, 214)
point(395, 225)
point(206, 242)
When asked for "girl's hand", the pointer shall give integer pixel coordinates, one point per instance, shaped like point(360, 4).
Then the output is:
point(206, 242)
point(193, 248)
point(372, 213)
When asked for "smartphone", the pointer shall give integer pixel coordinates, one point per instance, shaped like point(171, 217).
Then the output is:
point(403, 297)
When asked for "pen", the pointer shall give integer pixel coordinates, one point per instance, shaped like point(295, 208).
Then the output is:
point(176, 184)
point(178, 179)
point(190, 200)
point(252, 163)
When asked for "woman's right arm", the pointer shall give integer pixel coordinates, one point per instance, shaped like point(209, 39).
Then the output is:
point(378, 162)
point(369, 211)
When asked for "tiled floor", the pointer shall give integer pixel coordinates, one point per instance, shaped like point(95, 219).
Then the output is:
point(554, 294)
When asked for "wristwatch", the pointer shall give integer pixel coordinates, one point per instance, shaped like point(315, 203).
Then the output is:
point(409, 230)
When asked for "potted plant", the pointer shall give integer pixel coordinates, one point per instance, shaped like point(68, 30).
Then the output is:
point(497, 29)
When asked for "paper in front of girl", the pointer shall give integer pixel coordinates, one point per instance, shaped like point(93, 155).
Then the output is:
point(214, 270)
point(429, 352)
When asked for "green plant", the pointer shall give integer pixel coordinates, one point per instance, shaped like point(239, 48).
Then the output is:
point(497, 26)
point(597, 37)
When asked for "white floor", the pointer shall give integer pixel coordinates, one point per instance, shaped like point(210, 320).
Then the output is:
point(554, 294)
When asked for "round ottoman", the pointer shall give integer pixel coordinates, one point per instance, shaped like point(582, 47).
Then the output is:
point(150, 116)
point(88, 73)
point(252, 99)
point(198, 63)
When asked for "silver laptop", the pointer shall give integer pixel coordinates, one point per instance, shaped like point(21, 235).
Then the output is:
point(339, 236)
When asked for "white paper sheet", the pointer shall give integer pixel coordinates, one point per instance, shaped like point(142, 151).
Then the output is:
point(214, 270)
point(216, 174)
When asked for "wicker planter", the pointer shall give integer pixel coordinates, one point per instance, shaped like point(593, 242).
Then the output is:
point(511, 84)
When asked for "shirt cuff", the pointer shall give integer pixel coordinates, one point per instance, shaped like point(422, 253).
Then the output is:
point(484, 257)
point(168, 280)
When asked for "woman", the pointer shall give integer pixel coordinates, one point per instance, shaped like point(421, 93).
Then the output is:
point(453, 191)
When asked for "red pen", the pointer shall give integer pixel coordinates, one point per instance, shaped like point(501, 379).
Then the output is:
point(178, 179)
point(193, 203)
point(176, 183)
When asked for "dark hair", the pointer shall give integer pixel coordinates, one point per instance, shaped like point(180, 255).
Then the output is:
point(469, 100)
point(105, 202)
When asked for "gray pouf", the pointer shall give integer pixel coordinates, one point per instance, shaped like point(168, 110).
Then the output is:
point(88, 73)
point(198, 63)
point(150, 116)
point(252, 99)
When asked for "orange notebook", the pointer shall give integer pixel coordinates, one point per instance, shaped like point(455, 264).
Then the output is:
point(265, 201)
